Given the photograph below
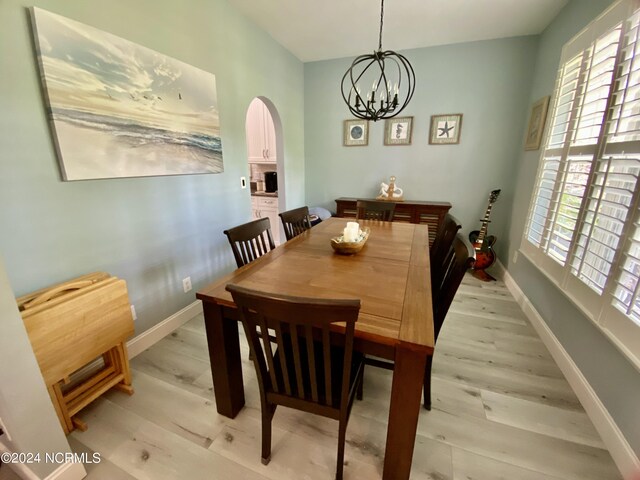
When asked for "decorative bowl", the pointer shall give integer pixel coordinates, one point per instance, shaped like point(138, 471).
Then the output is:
point(350, 248)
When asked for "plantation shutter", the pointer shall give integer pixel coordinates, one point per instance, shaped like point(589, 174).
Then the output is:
point(583, 228)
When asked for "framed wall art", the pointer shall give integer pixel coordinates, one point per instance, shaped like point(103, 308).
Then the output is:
point(118, 109)
point(536, 124)
point(355, 133)
point(445, 129)
point(398, 131)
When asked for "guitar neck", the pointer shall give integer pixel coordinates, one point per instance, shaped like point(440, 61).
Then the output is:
point(485, 224)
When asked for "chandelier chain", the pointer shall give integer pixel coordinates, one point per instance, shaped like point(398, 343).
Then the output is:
point(381, 22)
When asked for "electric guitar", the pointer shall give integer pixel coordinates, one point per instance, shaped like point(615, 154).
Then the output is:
point(483, 243)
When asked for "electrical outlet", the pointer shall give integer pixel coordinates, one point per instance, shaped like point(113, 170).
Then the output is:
point(133, 313)
point(3, 427)
point(515, 257)
point(186, 284)
point(243, 182)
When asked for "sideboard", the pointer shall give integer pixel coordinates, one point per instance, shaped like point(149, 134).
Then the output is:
point(411, 211)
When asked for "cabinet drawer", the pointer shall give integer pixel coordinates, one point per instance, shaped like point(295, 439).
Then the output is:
point(267, 202)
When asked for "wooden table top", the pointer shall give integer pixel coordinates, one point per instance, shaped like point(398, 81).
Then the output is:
point(390, 276)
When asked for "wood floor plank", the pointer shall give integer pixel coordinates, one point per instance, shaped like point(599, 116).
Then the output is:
point(550, 391)
point(529, 450)
point(448, 350)
point(175, 368)
point(104, 470)
point(570, 425)
point(500, 410)
point(145, 450)
point(469, 466)
point(506, 311)
point(196, 324)
point(173, 408)
point(291, 454)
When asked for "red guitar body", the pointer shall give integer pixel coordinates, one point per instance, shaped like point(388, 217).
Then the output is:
point(485, 256)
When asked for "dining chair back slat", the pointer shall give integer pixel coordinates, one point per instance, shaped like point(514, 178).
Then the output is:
point(373, 210)
point(295, 221)
point(250, 241)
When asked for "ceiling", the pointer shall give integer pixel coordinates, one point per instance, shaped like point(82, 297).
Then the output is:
point(323, 29)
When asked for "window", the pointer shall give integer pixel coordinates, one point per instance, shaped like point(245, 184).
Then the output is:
point(583, 227)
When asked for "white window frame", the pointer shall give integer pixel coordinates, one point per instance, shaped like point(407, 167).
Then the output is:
point(620, 329)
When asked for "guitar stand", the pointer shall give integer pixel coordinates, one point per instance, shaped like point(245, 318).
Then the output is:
point(482, 275)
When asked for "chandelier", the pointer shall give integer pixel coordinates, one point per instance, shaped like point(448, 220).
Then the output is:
point(386, 70)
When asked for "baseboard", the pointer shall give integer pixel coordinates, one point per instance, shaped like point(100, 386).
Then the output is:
point(621, 452)
point(66, 471)
point(156, 333)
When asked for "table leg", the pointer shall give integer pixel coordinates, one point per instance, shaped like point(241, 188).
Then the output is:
point(406, 396)
point(224, 355)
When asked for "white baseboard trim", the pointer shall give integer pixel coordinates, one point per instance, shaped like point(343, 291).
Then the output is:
point(66, 471)
point(156, 333)
point(621, 452)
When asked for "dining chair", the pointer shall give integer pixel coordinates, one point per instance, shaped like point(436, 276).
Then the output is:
point(250, 241)
point(301, 368)
point(441, 245)
point(374, 210)
point(295, 221)
point(457, 260)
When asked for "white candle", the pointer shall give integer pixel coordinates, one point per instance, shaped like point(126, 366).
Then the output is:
point(351, 232)
point(348, 235)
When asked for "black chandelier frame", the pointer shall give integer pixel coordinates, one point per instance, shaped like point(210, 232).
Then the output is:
point(387, 105)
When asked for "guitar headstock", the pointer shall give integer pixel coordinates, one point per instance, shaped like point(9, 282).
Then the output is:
point(493, 196)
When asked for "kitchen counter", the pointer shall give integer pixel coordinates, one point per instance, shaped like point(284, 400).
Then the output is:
point(265, 194)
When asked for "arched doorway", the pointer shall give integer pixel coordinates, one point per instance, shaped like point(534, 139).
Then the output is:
point(266, 166)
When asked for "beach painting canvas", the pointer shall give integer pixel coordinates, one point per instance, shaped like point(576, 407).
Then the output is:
point(122, 110)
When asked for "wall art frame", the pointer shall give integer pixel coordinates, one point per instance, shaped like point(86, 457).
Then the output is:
point(398, 131)
point(445, 129)
point(118, 109)
point(355, 133)
point(537, 119)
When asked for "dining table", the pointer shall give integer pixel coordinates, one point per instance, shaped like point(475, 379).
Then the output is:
point(390, 275)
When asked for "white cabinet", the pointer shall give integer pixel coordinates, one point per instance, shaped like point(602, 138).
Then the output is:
point(261, 134)
point(267, 207)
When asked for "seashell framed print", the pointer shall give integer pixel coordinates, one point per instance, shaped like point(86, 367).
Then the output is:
point(118, 109)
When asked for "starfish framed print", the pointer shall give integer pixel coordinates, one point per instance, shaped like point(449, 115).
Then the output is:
point(445, 129)
point(398, 130)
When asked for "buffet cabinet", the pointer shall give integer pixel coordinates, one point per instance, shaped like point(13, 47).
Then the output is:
point(430, 213)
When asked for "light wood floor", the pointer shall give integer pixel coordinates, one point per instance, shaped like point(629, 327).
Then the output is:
point(501, 410)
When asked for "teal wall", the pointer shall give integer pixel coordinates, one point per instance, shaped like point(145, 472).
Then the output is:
point(150, 231)
point(488, 82)
point(611, 375)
